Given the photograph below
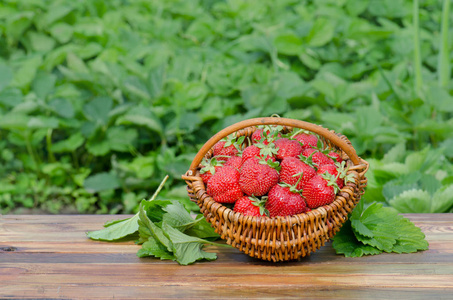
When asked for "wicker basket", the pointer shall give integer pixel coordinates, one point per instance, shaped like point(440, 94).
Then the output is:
point(279, 238)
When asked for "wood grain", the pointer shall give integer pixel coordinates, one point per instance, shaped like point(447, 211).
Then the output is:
point(50, 257)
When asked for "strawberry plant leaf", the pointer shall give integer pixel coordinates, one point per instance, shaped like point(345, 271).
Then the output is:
point(346, 243)
point(178, 217)
point(116, 230)
point(101, 182)
point(442, 200)
point(411, 201)
point(68, 145)
point(187, 249)
point(148, 228)
point(389, 230)
point(202, 229)
point(152, 247)
point(409, 238)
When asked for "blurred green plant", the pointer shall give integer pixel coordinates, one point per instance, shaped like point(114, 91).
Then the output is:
point(101, 99)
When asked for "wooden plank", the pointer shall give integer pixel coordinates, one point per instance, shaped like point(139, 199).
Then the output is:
point(54, 259)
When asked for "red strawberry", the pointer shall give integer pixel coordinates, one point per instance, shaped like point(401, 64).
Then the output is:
point(258, 150)
point(335, 156)
point(224, 149)
point(234, 161)
point(284, 201)
point(257, 178)
point(224, 187)
point(316, 157)
point(265, 137)
point(307, 140)
point(332, 169)
point(288, 148)
point(209, 167)
point(320, 190)
point(294, 171)
point(249, 152)
point(249, 206)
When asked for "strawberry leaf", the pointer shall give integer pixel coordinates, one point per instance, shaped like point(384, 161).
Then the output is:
point(187, 249)
point(378, 229)
point(383, 228)
point(346, 243)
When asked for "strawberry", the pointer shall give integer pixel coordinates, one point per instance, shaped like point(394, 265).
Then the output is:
point(332, 169)
point(307, 140)
point(295, 172)
point(234, 161)
point(314, 156)
point(223, 186)
point(250, 206)
point(284, 200)
point(266, 135)
point(320, 190)
point(335, 156)
point(259, 150)
point(257, 177)
point(288, 148)
point(224, 149)
point(209, 167)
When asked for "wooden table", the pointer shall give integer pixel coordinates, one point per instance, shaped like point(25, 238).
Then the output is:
point(47, 256)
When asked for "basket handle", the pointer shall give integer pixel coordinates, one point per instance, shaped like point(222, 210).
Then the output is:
point(336, 140)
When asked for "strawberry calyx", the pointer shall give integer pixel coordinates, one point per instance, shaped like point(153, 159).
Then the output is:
point(260, 203)
point(267, 150)
point(292, 188)
point(293, 133)
point(273, 164)
point(235, 141)
point(210, 164)
point(309, 159)
point(270, 133)
point(331, 181)
point(342, 172)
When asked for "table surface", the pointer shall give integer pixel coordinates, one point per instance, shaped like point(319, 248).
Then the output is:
point(49, 256)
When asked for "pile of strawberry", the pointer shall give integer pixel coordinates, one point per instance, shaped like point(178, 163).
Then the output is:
point(275, 175)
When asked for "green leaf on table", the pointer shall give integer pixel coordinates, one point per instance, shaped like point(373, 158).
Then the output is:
point(378, 229)
point(187, 249)
point(152, 247)
point(409, 238)
point(346, 243)
point(178, 217)
point(148, 228)
point(202, 229)
point(155, 209)
point(117, 230)
point(389, 230)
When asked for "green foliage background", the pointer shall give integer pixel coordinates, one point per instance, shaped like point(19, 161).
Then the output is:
point(99, 100)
